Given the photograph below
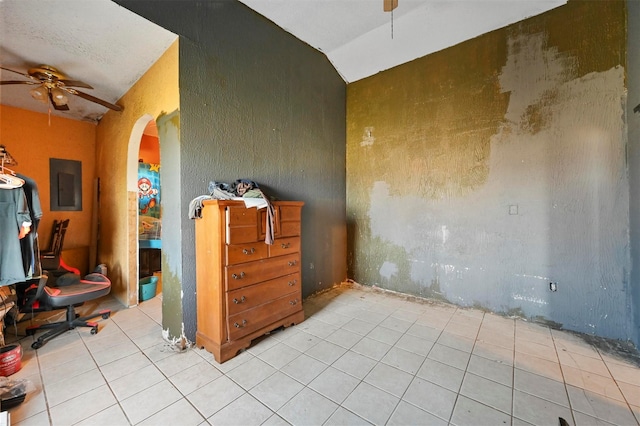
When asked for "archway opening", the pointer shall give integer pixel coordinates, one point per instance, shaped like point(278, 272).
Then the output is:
point(149, 215)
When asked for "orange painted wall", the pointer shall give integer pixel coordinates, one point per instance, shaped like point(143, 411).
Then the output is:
point(150, 149)
point(30, 139)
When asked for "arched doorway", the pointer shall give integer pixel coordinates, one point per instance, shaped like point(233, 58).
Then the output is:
point(149, 215)
point(169, 138)
point(143, 163)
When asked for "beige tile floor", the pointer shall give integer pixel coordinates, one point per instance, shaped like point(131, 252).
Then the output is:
point(361, 357)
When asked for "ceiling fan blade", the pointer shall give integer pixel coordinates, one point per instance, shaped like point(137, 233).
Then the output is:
point(64, 107)
point(93, 99)
point(18, 82)
point(17, 72)
point(75, 83)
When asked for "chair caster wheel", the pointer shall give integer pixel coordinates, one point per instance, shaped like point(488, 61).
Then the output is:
point(106, 316)
point(94, 330)
point(36, 345)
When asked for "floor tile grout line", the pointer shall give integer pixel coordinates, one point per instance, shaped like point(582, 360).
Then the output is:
point(75, 331)
point(118, 402)
point(360, 381)
point(534, 373)
point(46, 400)
point(513, 372)
point(377, 362)
point(102, 373)
point(305, 386)
point(564, 380)
point(455, 402)
point(617, 385)
point(159, 369)
point(415, 376)
point(466, 371)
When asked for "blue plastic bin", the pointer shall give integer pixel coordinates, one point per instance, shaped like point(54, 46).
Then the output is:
point(147, 288)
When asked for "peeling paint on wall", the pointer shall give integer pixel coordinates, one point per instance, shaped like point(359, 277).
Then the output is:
point(388, 270)
point(367, 138)
point(512, 118)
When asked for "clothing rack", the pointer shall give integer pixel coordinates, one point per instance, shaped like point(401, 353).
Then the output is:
point(5, 158)
point(8, 178)
point(20, 257)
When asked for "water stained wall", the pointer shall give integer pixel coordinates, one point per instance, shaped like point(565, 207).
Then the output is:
point(482, 173)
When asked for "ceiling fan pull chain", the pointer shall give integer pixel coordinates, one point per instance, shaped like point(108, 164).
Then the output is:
point(391, 24)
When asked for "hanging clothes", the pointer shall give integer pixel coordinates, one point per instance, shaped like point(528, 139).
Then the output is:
point(29, 244)
point(14, 220)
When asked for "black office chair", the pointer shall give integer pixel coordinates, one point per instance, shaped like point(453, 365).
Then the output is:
point(50, 258)
point(74, 293)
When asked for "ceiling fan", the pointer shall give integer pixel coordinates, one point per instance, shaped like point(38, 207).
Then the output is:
point(53, 85)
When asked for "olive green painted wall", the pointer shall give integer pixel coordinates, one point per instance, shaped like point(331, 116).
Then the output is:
point(484, 172)
point(172, 293)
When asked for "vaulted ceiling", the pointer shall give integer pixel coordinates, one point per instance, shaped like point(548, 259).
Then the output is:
point(105, 45)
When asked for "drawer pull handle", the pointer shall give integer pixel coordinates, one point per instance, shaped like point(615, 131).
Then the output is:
point(236, 325)
point(292, 283)
point(293, 262)
point(241, 300)
point(293, 302)
point(238, 277)
point(285, 245)
point(249, 251)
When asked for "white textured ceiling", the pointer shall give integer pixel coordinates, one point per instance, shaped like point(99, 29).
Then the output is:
point(110, 48)
point(360, 39)
point(95, 41)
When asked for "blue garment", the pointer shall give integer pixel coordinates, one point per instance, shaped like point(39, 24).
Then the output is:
point(14, 211)
point(29, 244)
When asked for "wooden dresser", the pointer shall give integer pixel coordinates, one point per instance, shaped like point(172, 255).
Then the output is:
point(245, 287)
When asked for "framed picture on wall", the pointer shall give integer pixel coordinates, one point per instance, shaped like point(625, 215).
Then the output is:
point(65, 185)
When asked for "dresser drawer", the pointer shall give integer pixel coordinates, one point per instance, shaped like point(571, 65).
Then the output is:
point(245, 274)
point(241, 234)
point(241, 253)
point(290, 213)
point(289, 229)
point(248, 321)
point(283, 246)
point(249, 297)
point(241, 225)
point(241, 216)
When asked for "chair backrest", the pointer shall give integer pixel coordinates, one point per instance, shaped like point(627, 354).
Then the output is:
point(32, 293)
point(57, 236)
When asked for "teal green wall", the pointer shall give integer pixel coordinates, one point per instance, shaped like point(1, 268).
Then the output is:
point(633, 120)
point(257, 103)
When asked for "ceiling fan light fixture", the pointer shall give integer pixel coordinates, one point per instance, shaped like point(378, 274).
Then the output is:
point(53, 88)
point(58, 96)
point(39, 94)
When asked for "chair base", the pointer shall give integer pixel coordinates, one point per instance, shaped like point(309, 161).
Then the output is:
point(73, 321)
